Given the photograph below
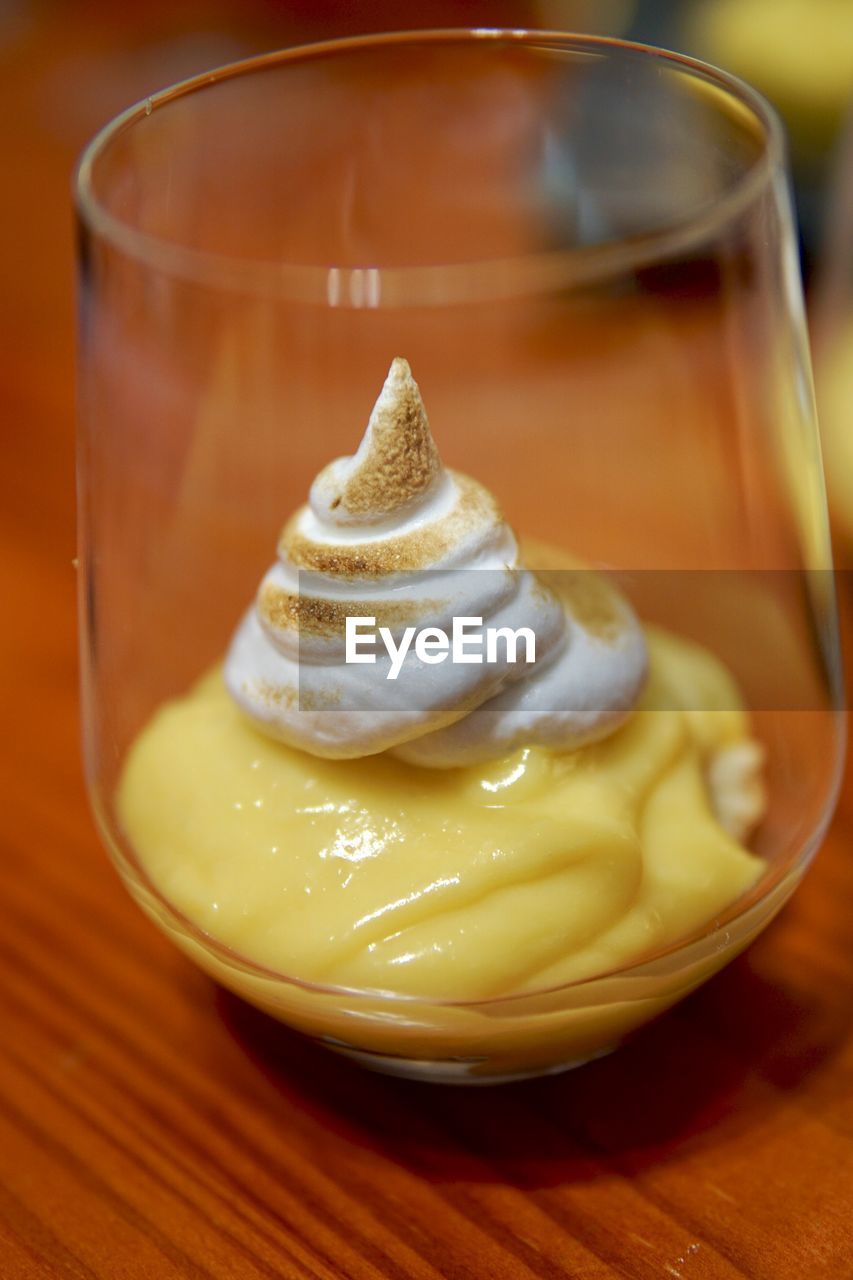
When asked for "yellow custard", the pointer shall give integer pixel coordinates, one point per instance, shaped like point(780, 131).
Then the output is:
point(532, 871)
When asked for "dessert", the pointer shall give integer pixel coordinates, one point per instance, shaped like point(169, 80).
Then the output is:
point(454, 831)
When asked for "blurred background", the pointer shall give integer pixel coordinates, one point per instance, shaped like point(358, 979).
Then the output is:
point(102, 1002)
point(68, 67)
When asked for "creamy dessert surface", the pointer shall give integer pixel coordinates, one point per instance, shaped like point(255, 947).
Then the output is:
point(500, 832)
point(534, 870)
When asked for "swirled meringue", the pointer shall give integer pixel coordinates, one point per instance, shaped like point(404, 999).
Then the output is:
point(389, 533)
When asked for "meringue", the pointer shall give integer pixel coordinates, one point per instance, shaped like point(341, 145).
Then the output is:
point(391, 534)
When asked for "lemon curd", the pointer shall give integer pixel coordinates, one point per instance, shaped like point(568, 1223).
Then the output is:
point(450, 884)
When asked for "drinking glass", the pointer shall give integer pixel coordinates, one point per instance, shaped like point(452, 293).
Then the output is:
point(585, 249)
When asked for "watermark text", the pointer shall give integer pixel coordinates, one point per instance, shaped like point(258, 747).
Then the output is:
point(468, 641)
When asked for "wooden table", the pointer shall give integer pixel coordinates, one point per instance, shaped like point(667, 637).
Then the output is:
point(152, 1126)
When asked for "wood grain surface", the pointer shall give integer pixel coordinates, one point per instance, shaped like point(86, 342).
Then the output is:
point(153, 1126)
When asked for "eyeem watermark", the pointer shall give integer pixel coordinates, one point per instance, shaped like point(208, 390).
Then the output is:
point(468, 641)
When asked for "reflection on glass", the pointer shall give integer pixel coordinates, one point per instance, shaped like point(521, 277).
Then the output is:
point(586, 253)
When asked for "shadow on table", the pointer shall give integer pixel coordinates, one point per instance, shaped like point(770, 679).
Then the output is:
point(707, 1071)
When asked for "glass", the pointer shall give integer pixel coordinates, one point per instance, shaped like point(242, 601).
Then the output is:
point(585, 249)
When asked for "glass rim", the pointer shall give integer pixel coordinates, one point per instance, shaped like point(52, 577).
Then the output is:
point(375, 286)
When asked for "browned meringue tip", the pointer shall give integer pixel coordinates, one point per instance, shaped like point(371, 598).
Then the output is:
point(396, 462)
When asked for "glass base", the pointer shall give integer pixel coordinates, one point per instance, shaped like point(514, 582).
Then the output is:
point(465, 1071)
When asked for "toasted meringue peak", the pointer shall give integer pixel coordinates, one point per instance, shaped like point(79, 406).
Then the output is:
point(395, 465)
point(391, 534)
